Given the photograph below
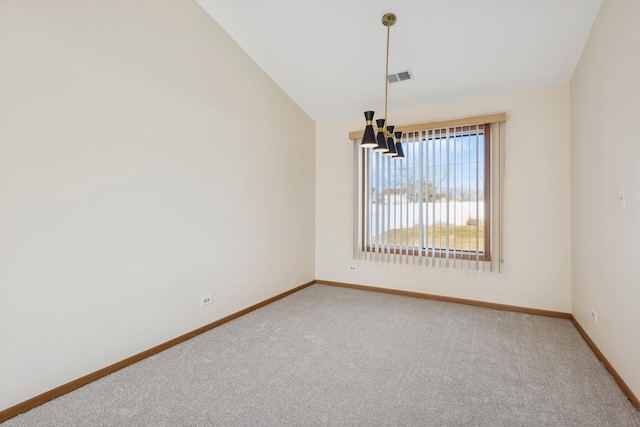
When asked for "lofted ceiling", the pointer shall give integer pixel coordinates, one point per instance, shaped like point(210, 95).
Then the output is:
point(329, 56)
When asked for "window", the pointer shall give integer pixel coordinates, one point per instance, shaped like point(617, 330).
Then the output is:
point(435, 205)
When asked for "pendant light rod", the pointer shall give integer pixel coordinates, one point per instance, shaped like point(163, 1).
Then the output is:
point(388, 19)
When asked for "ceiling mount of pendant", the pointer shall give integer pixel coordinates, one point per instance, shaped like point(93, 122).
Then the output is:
point(388, 19)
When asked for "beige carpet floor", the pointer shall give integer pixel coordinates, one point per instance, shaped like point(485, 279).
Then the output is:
point(342, 357)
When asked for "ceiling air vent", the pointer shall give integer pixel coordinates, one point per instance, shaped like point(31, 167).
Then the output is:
point(400, 77)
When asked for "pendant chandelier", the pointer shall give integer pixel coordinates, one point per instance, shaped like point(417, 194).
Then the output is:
point(387, 141)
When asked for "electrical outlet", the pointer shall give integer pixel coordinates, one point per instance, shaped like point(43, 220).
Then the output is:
point(205, 300)
point(594, 315)
point(622, 198)
point(353, 268)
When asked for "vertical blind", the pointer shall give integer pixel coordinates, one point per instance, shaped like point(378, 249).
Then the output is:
point(440, 207)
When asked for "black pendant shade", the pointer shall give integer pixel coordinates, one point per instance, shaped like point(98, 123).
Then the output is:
point(381, 145)
point(399, 150)
point(369, 138)
point(390, 144)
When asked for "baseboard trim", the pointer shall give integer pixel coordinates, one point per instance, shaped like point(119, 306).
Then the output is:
point(80, 382)
point(625, 388)
point(475, 303)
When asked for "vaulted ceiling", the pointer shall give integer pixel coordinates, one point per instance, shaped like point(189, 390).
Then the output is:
point(329, 55)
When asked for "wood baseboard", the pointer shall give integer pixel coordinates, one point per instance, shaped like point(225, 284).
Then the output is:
point(475, 303)
point(80, 382)
point(625, 388)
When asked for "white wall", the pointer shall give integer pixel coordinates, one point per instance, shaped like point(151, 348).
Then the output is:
point(537, 267)
point(145, 161)
point(605, 158)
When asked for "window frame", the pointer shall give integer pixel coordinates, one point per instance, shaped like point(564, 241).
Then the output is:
point(446, 253)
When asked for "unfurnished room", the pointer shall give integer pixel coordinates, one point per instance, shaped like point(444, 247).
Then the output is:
point(292, 213)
